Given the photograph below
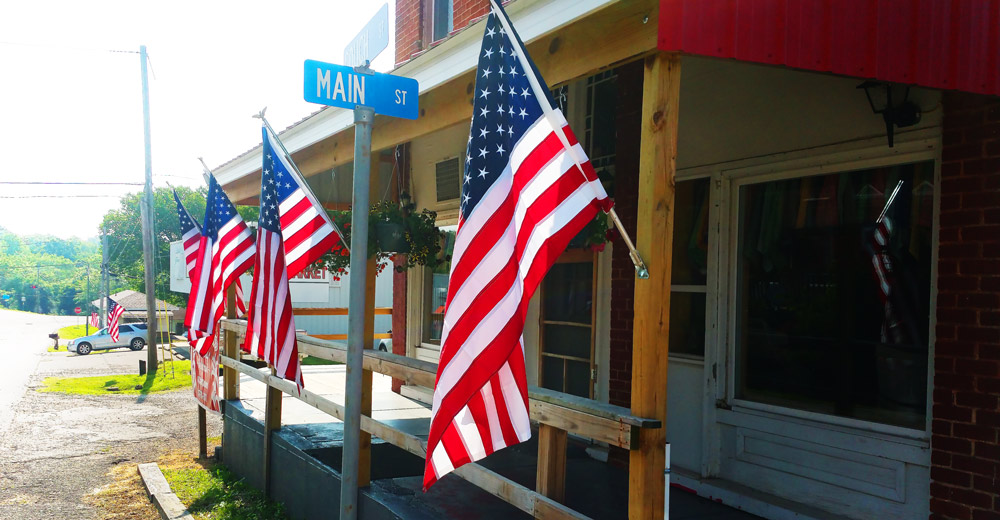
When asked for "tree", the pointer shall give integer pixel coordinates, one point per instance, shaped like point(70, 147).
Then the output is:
point(124, 231)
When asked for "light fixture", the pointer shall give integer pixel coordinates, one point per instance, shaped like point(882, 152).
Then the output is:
point(891, 100)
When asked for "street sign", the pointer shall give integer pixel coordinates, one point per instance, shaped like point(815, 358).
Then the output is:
point(342, 86)
point(77, 310)
point(6, 296)
point(372, 40)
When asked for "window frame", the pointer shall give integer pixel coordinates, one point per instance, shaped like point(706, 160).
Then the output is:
point(572, 256)
point(790, 166)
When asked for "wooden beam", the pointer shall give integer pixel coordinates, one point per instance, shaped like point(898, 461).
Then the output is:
point(654, 238)
point(272, 422)
point(202, 433)
point(626, 30)
point(231, 380)
point(365, 441)
point(551, 475)
point(335, 311)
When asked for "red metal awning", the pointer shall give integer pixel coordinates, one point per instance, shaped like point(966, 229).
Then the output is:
point(946, 44)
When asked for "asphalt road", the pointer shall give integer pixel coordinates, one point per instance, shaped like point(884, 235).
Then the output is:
point(56, 450)
point(23, 341)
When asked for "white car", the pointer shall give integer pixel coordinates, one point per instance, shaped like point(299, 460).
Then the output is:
point(131, 336)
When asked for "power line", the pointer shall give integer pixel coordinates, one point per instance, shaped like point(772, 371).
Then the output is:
point(67, 47)
point(57, 196)
point(52, 183)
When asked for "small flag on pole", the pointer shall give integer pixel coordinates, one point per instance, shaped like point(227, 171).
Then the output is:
point(528, 189)
point(94, 319)
point(115, 311)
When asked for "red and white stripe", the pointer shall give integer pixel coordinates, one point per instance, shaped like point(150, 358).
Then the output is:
point(271, 326)
point(307, 230)
point(219, 263)
point(547, 194)
point(882, 270)
point(192, 241)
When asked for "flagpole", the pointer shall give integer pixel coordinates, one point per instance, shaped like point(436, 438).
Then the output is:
point(889, 202)
point(543, 101)
point(301, 178)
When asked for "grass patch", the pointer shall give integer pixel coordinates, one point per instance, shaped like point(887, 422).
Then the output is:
point(212, 492)
point(311, 360)
point(126, 383)
point(75, 331)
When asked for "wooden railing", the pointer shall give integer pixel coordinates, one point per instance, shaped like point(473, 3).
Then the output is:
point(556, 413)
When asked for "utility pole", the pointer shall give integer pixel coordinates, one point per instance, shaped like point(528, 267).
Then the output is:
point(104, 275)
point(87, 320)
point(148, 217)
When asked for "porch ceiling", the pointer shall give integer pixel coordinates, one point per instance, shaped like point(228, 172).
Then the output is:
point(624, 30)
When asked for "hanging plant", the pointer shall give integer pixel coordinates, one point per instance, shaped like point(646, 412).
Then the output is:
point(394, 230)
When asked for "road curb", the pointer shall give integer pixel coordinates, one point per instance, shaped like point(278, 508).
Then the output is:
point(166, 502)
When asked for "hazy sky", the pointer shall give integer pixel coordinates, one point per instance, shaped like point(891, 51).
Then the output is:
point(72, 111)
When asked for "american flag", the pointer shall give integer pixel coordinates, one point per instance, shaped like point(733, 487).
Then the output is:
point(528, 189)
point(94, 319)
point(191, 237)
point(114, 312)
point(225, 250)
point(293, 232)
point(882, 269)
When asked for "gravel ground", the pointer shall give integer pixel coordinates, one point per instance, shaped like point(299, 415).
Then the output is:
point(61, 449)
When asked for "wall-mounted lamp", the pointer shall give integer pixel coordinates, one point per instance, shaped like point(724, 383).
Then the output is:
point(891, 101)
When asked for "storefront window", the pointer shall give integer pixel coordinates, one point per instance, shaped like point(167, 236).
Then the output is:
point(828, 320)
point(436, 292)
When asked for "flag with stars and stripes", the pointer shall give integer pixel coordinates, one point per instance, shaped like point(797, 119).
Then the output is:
point(293, 231)
point(528, 189)
point(191, 238)
point(94, 319)
point(225, 251)
point(115, 311)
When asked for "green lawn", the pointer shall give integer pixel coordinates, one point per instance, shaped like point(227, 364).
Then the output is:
point(215, 493)
point(75, 331)
point(126, 383)
point(310, 360)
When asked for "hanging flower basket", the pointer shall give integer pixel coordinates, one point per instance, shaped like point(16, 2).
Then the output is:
point(394, 231)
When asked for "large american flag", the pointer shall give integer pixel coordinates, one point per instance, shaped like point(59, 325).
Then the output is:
point(114, 312)
point(191, 237)
point(528, 189)
point(225, 250)
point(293, 231)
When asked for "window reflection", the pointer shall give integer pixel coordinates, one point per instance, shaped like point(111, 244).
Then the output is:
point(819, 327)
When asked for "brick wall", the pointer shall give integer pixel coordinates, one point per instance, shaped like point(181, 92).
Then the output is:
point(467, 11)
point(965, 453)
point(626, 194)
point(409, 28)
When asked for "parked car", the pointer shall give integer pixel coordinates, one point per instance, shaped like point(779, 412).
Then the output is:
point(131, 336)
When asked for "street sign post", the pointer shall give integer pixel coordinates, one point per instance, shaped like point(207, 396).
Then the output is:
point(371, 41)
point(368, 93)
point(347, 87)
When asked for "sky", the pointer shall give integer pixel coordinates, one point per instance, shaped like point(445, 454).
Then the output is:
point(71, 109)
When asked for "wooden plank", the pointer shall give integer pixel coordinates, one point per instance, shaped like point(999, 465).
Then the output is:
point(654, 238)
point(335, 311)
point(231, 381)
point(343, 337)
point(626, 30)
point(551, 471)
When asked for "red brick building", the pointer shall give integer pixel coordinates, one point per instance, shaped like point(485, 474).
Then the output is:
point(799, 382)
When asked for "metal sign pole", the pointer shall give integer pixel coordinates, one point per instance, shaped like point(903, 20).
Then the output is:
point(363, 117)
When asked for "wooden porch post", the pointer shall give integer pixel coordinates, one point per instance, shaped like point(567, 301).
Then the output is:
point(230, 378)
point(550, 478)
point(654, 238)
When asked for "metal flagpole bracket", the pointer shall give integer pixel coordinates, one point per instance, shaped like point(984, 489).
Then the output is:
point(640, 266)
